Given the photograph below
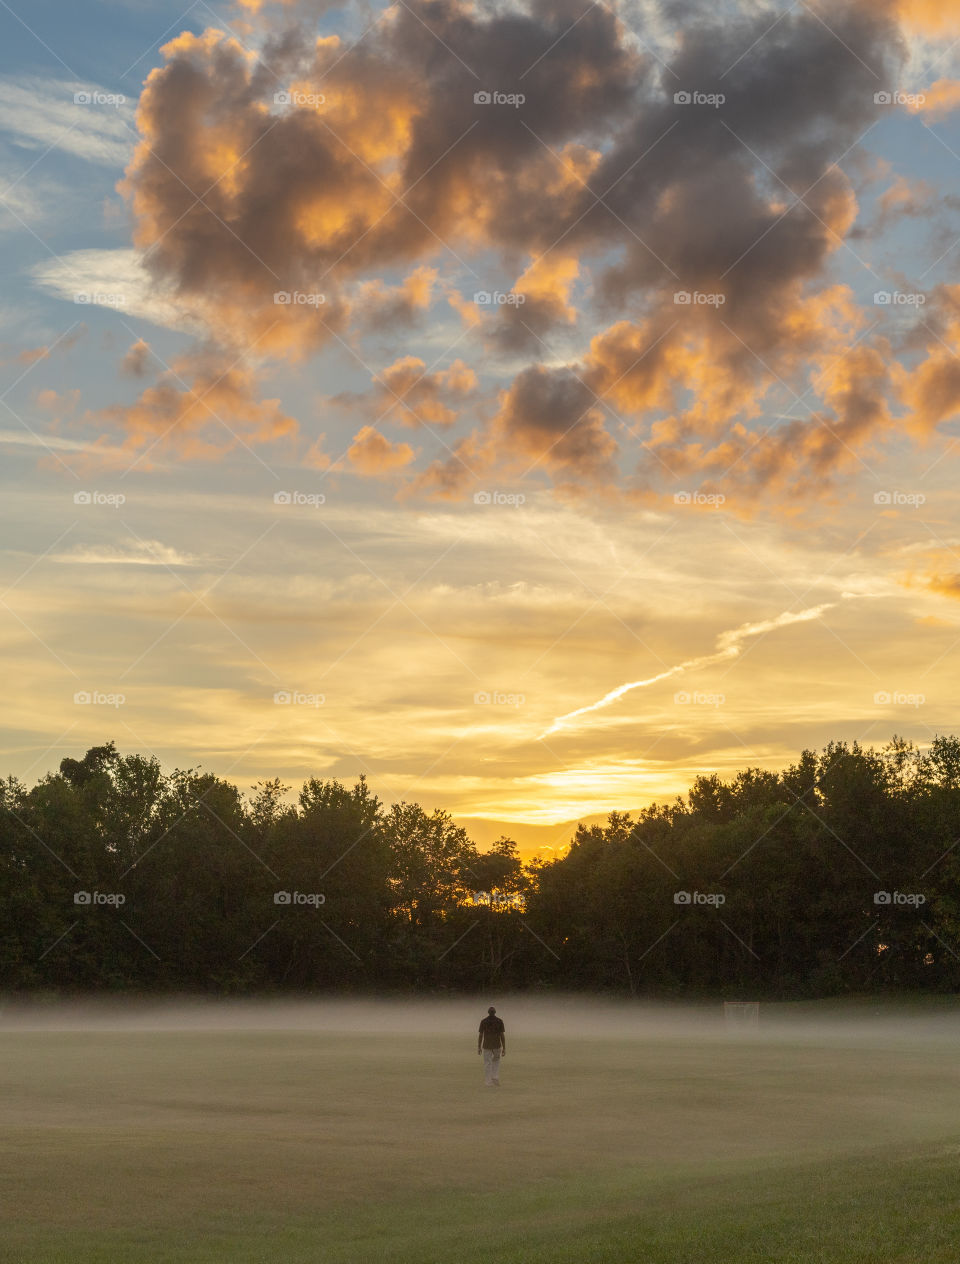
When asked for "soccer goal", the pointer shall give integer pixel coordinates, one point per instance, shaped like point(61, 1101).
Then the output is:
point(741, 1015)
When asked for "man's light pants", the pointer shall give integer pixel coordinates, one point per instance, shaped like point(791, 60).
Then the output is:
point(491, 1066)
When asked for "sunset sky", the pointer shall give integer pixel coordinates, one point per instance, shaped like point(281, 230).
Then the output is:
point(531, 406)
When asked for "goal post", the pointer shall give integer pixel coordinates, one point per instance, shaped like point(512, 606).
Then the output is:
point(741, 1015)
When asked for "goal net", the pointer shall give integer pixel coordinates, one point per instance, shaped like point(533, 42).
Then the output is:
point(741, 1015)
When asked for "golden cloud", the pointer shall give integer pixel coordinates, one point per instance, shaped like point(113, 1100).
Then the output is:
point(201, 408)
point(273, 212)
point(374, 455)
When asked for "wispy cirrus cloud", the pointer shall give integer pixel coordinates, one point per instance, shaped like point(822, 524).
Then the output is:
point(134, 553)
point(729, 645)
point(37, 113)
point(36, 199)
point(42, 438)
point(115, 279)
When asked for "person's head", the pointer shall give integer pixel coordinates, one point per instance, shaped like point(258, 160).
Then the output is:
point(491, 1010)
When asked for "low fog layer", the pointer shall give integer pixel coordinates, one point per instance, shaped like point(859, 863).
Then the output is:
point(526, 1017)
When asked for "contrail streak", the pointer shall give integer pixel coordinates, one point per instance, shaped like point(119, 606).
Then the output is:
point(729, 645)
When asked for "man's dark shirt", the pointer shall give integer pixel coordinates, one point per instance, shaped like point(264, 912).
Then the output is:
point(491, 1031)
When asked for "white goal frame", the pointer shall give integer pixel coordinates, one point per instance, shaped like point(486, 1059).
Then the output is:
point(741, 1015)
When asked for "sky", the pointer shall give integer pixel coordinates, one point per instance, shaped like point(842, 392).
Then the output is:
point(529, 406)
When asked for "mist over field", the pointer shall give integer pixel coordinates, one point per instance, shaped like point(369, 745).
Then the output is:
point(356, 1130)
point(870, 1021)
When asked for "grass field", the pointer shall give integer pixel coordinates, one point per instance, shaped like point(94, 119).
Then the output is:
point(623, 1139)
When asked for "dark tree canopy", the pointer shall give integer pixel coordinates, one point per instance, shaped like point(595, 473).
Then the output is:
point(840, 873)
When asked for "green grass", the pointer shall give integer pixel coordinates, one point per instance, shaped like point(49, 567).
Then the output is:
point(293, 1146)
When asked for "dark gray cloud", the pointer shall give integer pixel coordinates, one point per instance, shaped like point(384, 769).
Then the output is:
point(386, 159)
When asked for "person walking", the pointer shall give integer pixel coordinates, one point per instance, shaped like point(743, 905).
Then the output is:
point(492, 1043)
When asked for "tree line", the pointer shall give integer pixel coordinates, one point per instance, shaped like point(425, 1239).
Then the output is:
point(839, 874)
